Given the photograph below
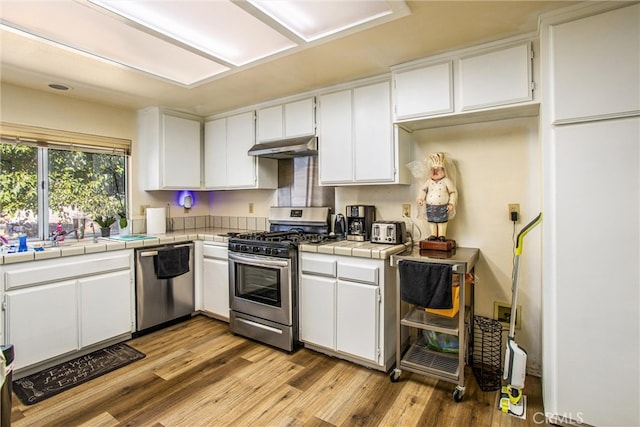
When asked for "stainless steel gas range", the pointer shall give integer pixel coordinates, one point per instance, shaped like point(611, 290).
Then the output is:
point(263, 275)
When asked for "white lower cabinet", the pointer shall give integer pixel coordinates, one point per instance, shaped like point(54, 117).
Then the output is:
point(215, 279)
point(357, 319)
point(55, 307)
point(42, 322)
point(317, 310)
point(105, 306)
point(345, 303)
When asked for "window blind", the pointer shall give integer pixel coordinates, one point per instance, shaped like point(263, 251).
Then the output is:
point(63, 140)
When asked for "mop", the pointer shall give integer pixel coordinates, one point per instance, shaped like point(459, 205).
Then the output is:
point(512, 401)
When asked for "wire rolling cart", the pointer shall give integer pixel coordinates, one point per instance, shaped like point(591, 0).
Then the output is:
point(412, 353)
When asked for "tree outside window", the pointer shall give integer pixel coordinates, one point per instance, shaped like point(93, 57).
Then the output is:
point(81, 185)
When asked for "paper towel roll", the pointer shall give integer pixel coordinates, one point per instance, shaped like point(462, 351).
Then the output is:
point(156, 220)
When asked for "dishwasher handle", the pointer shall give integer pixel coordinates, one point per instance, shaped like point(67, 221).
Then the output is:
point(154, 253)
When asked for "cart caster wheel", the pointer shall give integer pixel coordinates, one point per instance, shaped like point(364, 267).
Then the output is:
point(395, 375)
point(458, 393)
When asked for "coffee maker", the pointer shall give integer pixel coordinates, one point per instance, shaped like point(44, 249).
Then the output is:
point(359, 221)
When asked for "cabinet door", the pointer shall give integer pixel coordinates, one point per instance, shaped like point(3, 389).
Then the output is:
point(105, 306)
point(216, 287)
point(181, 156)
point(299, 118)
point(595, 66)
point(240, 138)
point(574, 293)
point(270, 123)
point(373, 136)
point(317, 310)
point(357, 318)
point(215, 153)
point(336, 139)
point(496, 78)
point(42, 322)
point(425, 91)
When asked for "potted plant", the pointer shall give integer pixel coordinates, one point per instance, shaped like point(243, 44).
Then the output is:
point(123, 223)
point(105, 222)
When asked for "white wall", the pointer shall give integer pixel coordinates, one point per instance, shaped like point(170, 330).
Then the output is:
point(61, 111)
point(497, 163)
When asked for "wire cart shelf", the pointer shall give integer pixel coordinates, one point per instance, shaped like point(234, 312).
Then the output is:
point(413, 352)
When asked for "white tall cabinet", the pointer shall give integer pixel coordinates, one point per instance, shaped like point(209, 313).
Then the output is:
point(590, 128)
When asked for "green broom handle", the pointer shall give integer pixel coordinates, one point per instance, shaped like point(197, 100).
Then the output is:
point(524, 231)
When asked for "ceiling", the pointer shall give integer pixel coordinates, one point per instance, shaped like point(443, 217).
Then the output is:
point(431, 27)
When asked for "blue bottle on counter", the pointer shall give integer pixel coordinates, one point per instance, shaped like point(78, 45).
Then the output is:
point(22, 245)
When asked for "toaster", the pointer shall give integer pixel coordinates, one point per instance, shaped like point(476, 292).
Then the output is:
point(390, 232)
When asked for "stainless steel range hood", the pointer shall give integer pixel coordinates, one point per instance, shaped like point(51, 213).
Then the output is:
point(286, 148)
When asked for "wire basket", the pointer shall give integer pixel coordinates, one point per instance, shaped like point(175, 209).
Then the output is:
point(487, 353)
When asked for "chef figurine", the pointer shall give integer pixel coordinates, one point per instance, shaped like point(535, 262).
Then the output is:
point(440, 195)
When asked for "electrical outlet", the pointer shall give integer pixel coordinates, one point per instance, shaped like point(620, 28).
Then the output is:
point(502, 313)
point(250, 207)
point(514, 208)
point(406, 210)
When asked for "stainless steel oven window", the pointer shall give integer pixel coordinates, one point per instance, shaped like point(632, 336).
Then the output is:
point(281, 269)
point(258, 283)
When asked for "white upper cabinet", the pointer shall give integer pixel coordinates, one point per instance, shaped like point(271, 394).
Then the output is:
point(226, 162)
point(596, 66)
point(357, 141)
point(169, 150)
point(495, 78)
point(286, 120)
point(335, 137)
point(486, 82)
point(423, 91)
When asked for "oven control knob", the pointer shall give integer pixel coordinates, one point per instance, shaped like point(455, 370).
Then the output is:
point(256, 249)
point(243, 248)
point(268, 251)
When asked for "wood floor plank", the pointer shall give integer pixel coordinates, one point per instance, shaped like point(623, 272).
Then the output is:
point(410, 402)
point(347, 384)
point(197, 373)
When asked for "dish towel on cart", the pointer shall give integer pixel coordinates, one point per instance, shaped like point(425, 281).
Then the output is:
point(426, 285)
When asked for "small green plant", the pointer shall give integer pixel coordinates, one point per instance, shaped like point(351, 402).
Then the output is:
point(123, 220)
point(104, 221)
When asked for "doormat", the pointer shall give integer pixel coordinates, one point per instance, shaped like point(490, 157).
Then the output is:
point(49, 382)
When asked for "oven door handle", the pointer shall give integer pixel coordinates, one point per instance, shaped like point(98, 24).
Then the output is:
point(258, 260)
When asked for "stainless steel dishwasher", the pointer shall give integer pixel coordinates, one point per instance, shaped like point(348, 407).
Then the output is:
point(164, 284)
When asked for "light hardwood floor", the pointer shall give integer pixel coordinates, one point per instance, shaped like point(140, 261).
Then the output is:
point(197, 373)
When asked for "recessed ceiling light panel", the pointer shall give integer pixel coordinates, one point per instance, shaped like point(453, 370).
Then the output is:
point(218, 28)
point(77, 26)
point(312, 20)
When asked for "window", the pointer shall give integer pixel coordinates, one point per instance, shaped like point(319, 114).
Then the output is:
point(66, 184)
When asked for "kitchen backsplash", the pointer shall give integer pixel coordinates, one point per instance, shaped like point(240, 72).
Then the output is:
point(207, 221)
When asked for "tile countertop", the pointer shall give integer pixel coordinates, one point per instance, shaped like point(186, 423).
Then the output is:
point(71, 247)
point(355, 249)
